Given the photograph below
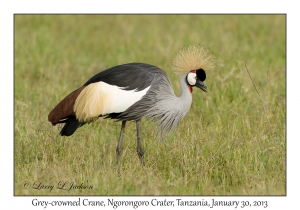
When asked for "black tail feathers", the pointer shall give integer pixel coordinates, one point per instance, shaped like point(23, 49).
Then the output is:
point(70, 127)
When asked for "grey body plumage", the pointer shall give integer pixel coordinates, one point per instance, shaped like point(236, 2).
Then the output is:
point(169, 109)
point(160, 101)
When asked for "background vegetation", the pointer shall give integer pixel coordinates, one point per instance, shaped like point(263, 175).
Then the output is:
point(230, 143)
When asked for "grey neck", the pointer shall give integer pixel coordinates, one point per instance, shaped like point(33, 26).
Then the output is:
point(186, 95)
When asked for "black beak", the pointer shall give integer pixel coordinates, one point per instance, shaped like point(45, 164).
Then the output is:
point(201, 85)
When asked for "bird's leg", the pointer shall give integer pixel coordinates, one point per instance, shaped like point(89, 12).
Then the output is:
point(119, 146)
point(139, 148)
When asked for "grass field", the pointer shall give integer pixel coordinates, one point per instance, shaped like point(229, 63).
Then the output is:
point(232, 142)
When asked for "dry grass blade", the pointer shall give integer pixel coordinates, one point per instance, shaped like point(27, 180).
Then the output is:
point(262, 102)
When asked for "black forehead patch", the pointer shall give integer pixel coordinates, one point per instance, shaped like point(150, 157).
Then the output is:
point(201, 74)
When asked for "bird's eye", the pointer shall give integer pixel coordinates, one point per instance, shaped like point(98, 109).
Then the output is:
point(191, 78)
point(201, 74)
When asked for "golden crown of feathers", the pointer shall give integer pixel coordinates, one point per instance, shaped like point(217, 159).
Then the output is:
point(193, 57)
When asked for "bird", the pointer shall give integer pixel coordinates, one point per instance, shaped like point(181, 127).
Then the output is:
point(132, 91)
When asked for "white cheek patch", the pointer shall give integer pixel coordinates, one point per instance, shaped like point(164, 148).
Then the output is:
point(191, 78)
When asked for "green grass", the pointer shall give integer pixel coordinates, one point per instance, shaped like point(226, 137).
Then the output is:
point(228, 144)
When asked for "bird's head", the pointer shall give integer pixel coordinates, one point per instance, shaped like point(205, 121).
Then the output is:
point(192, 61)
point(196, 78)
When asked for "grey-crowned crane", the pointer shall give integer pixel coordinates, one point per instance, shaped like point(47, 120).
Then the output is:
point(132, 91)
